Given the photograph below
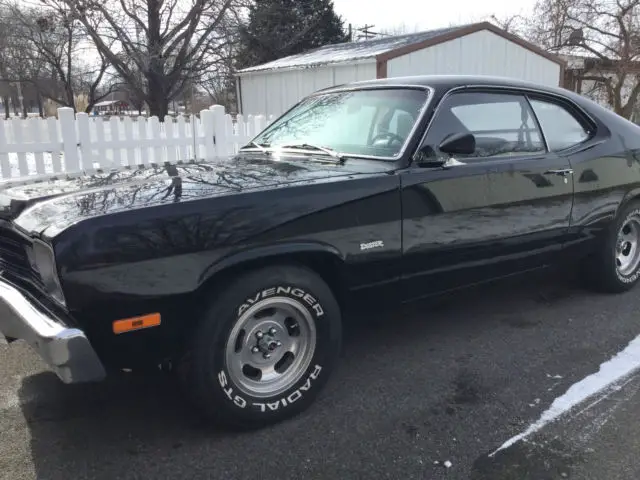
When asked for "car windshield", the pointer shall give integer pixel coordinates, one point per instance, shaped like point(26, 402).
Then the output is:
point(373, 122)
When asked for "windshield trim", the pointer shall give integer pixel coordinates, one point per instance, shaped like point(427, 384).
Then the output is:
point(338, 89)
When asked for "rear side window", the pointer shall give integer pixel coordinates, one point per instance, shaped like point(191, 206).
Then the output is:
point(560, 128)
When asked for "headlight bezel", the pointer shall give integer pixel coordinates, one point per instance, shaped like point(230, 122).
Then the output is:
point(43, 261)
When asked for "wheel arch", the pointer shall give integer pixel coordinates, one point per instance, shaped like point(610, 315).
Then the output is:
point(630, 196)
point(325, 260)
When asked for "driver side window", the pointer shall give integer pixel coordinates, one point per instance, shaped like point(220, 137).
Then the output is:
point(502, 124)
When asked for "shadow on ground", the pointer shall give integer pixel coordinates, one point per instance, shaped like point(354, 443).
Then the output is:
point(142, 427)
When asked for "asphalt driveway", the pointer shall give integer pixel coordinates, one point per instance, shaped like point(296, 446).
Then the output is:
point(439, 381)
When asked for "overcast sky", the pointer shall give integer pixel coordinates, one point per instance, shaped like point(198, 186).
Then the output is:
point(425, 14)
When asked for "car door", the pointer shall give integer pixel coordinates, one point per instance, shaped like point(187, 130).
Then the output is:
point(504, 209)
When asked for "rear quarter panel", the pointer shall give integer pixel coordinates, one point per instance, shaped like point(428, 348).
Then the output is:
point(606, 175)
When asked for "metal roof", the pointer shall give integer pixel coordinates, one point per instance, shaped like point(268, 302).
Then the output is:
point(383, 49)
point(351, 51)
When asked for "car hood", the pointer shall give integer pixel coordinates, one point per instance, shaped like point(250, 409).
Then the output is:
point(57, 203)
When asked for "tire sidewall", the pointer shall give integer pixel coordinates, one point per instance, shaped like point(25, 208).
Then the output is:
point(627, 280)
point(236, 405)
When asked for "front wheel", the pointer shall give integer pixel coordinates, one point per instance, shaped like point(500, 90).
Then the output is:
point(265, 347)
point(616, 267)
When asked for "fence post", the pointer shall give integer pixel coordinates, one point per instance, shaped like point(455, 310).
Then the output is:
point(259, 124)
point(35, 126)
point(67, 120)
point(208, 118)
point(241, 131)
point(16, 125)
point(219, 130)
point(5, 165)
point(86, 151)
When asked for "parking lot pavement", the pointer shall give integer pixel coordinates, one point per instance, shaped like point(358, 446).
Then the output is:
point(435, 382)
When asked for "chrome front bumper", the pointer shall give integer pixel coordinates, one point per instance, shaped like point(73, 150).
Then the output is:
point(67, 351)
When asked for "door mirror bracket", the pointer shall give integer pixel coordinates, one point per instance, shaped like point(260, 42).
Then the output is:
point(456, 143)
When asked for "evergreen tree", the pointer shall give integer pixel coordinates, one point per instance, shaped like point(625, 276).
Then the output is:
point(279, 28)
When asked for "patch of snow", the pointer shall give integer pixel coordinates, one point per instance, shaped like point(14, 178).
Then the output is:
point(620, 366)
point(350, 51)
point(554, 376)
point(448, 464)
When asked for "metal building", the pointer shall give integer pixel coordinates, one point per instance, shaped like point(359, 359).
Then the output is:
point(479, 48)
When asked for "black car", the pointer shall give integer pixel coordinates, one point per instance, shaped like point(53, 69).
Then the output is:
point(236, 272)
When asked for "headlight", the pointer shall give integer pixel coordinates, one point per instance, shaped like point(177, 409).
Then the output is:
point(42, 258)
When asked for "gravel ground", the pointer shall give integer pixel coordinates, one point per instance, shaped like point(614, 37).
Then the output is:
point(439, 381)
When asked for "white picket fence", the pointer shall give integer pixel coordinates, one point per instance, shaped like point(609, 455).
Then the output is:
point(73, 143)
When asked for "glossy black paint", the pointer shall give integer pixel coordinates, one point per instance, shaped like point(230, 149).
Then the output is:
point(163, 238)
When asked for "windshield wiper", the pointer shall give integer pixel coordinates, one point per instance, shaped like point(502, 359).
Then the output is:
point(263, 147)
point(308, 146)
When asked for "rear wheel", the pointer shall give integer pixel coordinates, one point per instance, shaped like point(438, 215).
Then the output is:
point(265, 347)
point(616, 268)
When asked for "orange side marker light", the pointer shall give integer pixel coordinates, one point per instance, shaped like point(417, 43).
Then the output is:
point(136, 323)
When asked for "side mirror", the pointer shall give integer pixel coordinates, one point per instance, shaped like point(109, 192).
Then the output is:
point(458, 143)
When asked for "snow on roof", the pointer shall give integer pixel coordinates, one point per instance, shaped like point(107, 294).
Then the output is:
point(105, 103)
point(351, 51)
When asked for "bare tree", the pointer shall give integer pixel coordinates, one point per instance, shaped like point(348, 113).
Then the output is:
point(515, 24)
point(156, 46)
point(607, 34)
point(50, 52)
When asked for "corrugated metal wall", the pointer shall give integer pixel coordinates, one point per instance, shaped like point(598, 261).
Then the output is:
point(480, 53)
point(275, 92)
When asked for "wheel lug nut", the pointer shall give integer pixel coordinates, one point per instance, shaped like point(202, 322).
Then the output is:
point(278, 343)
point(255, 350)
point(272, 331)
point(259, 334)
point(267, 356)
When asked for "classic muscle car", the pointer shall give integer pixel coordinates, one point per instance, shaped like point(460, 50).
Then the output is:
point(236, 271)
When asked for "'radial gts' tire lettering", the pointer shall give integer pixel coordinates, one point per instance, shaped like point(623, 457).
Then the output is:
point(284, 401)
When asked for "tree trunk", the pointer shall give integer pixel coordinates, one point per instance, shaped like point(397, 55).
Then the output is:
point(7, 106)
point(159, 108)
point(157, 101)
point(15, 101)
point(40, 106)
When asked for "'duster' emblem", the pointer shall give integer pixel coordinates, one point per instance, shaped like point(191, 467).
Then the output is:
point(370, 245)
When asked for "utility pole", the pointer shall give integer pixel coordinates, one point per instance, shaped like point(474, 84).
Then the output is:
point(365, 31)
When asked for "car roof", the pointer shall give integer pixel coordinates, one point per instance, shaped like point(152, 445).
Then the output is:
point(439, 82)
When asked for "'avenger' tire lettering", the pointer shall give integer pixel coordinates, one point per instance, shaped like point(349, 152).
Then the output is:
point(293, 396)
point(294, 291)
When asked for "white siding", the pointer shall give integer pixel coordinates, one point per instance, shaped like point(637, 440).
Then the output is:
point(274, 92)
point(480, 53)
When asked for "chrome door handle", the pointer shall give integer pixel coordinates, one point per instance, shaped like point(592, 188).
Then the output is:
point(563, 172)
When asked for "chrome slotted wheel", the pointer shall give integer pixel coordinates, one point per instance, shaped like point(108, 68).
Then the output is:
point(627, 246)
point(270, 347)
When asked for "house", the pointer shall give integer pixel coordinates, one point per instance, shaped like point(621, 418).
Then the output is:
point(115, 103)
point(479, 48)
